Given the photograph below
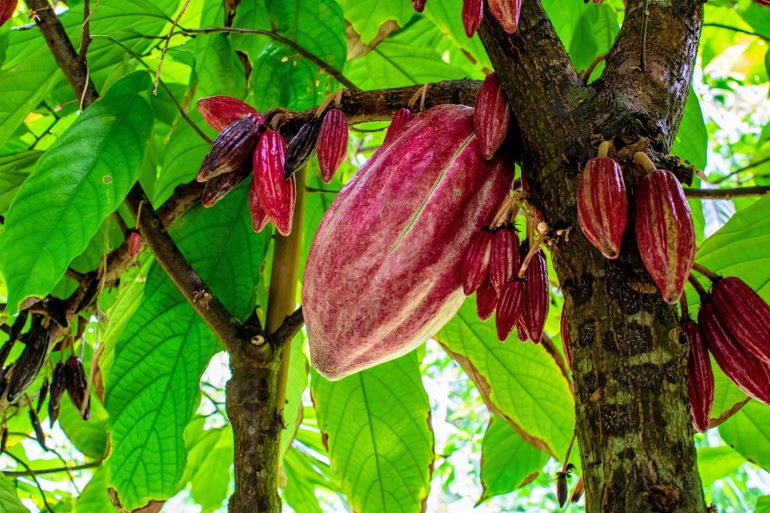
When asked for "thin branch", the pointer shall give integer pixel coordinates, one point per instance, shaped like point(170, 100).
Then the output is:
point(68, 468)
point(291, 325)
point(722, 194)
point(736, 29)
point(324, 191)
point(729, 413)
point(32, 473)
point(740, 170)
point(591, 67)
point(322, 65)
point(554, 353)
point(85, 35)
point(166, 43)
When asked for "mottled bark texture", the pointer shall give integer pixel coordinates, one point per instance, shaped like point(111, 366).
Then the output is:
point(633, 421)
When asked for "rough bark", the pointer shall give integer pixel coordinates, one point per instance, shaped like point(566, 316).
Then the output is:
point(633, 422)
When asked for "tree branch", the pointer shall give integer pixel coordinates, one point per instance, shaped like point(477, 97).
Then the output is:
point(723, 194)
point(740, 170)
point(73, 468)
point(286, 331)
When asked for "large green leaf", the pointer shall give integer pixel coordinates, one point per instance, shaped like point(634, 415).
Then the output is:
point(379, 436)
point(94, 497)
point(296, 384)
point(89, 437)
point(210, 456)
point(748, 432)
point(447, 16)
point(507, 460)
point(217, 67)
point(153, 384)
point(717, 462)
point(79, 181)
point(594, 34)
point(14, 169)
point(521, 382)
point(367, 16)
point(9, 501)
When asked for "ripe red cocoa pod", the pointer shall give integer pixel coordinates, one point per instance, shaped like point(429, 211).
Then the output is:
point(473, 12)
point(603, 205)
point(221, 111)
point(749, 373)
point(492, 116)
point(505, 259)
point(302, 147)
point(369, 255)
point(486, 299)
point(219, 186)
point(664, 232)
point(537, 297)
point(402, 117)
point(564, 328)
point(509, 308)
point(419, 5)
point(521, 330)
point(745, 315)
point(56, 391)
point(277, 195)
point(7, 8)
point(700, 377)
point(476, 261)
point(507, 13)
point(332, 143)
point(134, 244)
point(259, 218)
point(232, 147)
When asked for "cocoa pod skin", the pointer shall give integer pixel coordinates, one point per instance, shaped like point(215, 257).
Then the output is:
point(277, 195)
point(419, 5)
point(403, 222)
point(7, 8)
point(509, 308)
point(664, 232)
point(475, 264)
point(56, 391)
point(745, 315)
point(26, 368)
point(134, 244)
point(750, 374)
point(259, 218)
point(332, 143)
point(302, 147)
point(232, 147)
point(221, 111)
point(402, 117)
point(537, 297)
point(763, 3)
point(473, 12)
point(486, 300)
point(77, 385)
point(521, 330)
point(603, 205)
point(492, 116)
point(507, 13)
point(505, 259)
point(564, 328)
point(700, 377)
point(219, 186)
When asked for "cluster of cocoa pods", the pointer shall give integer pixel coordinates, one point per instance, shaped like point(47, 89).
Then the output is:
point(664, 228)
point(506, 12)
point(246, 145)
point(734, 327)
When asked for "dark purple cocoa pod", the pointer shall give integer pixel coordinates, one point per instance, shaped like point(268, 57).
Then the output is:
point(232, 147)
point(745, 315)
point(302, 147)
point(77, 386)
point(332, 143)
point(564, 327)
point(603, 205)
point(509, 308)
point(222, 111)
point(491, 117)
point(219, 186)
point(25, 369)
point(402, 117)
point(748, 372)
point(476, 261)
point(537, 297)
point(56, 391)
point(42, 395)
point(37, 428)
point(505, 260)
point(277, 195)
point(473, 12)
point(486, 299)
point(700, 377)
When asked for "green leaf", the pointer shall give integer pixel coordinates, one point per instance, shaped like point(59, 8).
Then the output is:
point(9, 501)
point(521, 382)
point(89, 437)
point(295, 387)
point(726, 393)
point(748, 432)
point(217, 67)
point(367, 16)
point(594, 34)
point(14, 169)
point(763, 505)
point(691, 141)
point(152, 390)
point(79, 181)
point(447, 16)
point(182, 158)
point(379, 437)
point(716, 463)
point(94, 496)
point(507, 460)
point(210, 456)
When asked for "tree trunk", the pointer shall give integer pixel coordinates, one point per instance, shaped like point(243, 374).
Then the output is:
point(632, 415)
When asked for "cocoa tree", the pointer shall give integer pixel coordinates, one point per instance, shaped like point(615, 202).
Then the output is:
point(155, 216)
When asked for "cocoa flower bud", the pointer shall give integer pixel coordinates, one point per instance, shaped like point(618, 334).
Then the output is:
point(277, 195)
point(509, 308)
point(491, 117)
point(486, 299)
point(134, 244)
point(419, 5)
point(700, 376)
point(664, 232)
point(221, 111)
point(507, 13)
point(402, 117)
point(476, 261)
point(473, 12)
point(332, 143)
point(302, 147)
point(603, 205)
point(537, 297)
point(219, 186)
point(745, 315)
point(505, 260)
point(232, 147)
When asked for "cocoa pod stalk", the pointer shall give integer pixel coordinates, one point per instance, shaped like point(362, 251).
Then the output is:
point(221, 111)
point(402, 117)
point(492, 116)
point(486, 299)
point(537, 297)
point(276, 194)
point(700, 376)
point(302, 147)
point(473, 12)
point(507, 13)
point(476, 261)
point(332, 143)
point(232, 147)
point(745, 315)
point(509, 308)
point(505, 260)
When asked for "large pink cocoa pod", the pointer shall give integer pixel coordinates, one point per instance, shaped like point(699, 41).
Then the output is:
point(745, 315)
point(221, 111)
point(603, 205)
point(332, 143)
point(277, 195)
point(536, 297)
point(383, 273)
point(492, 116)
point(700, 377)
point(473, 12)
point(507, 13)
point(664, 232)
point(749, 373)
